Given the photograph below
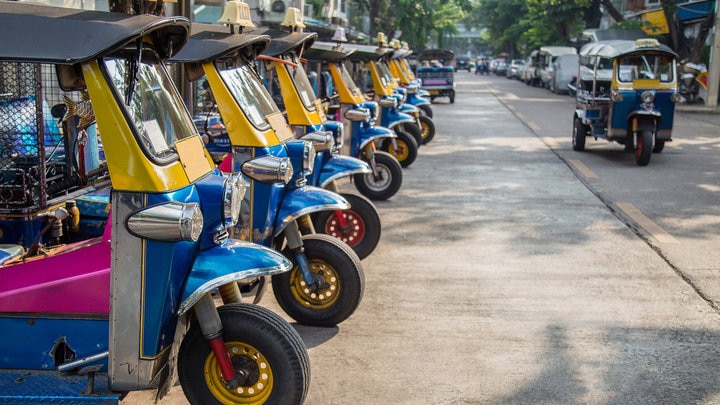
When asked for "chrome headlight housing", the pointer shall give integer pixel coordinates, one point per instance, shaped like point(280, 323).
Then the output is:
point(309, 155)
point(268, 169)
point(411, 88)
point(357, 114)
point(322, 140)
point(168, 222)
point(647, 97)
point(388, 102)
point(233, 194)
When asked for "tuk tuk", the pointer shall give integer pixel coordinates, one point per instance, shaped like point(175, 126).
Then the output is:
point(114, 243)
point(626, 92)
point(436, 74)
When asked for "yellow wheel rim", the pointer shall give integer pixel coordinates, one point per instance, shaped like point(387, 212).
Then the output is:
point(425, 128)
point(251, 361)
point(402, 151)
point(322, 298)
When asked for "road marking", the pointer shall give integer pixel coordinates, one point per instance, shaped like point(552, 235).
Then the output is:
point(651, 227)
point(533, 126)
point(551, 142)
point(584, 170)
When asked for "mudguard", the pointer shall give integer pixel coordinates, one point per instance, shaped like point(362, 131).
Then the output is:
point(393, 118)
point(306, 200)
point(417, 100)
point(375, 132)
point(335, 166)
point(233, 260)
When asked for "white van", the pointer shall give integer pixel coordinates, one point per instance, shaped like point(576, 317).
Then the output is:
point(548, 55)
point(563, 70)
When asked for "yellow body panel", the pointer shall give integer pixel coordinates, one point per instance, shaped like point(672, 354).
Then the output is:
point(297, 113)
point(379, 84)
point(240, 131)
point(397, 71)
point(130, 169)
point(405, 66)
point(346, 95)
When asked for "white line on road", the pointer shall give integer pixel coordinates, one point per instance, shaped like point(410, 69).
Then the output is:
point(651, 227)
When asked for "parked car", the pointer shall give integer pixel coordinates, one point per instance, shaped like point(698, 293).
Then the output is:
point(545, 62)
point(462, 63)
point(501, 68)
point(562, 71)
point(514, 69)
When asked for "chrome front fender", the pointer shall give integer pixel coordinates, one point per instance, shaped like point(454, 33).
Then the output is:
point(337, 166)
point(306, 200)
point(229, 262)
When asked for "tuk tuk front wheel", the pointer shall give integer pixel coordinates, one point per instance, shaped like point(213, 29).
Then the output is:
point(362, 224)
point(407, 148)
point(263, 348)
point(426, 110)
point(578, 135)
point(336, 291)
point(415, 131)
point(428, 129)
point(385, 182)
point(644, 148)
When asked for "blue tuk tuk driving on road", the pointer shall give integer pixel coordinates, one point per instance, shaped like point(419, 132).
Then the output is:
point(626, 92)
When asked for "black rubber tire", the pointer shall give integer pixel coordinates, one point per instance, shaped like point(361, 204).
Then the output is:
point(452, 97)
point(659, 145)
point(427, 127)
point(363, 222)
point(426, 110)
point(415, 131)
point(407, 148)
point(342, 271)
point(279, 346)
point(578, 135)
point(388, 181)
point(643, 152)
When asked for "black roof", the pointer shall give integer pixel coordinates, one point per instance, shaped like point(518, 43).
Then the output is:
point(327, 52)
point(45, 34)
point(282, 42)
point(436, 54)
point(209, 42)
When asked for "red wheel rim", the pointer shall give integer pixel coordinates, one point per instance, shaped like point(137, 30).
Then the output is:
point(355, 232)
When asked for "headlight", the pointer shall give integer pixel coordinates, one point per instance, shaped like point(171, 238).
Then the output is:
point(233, 195)
point(411, 88)
point(169, 222)
point(388, 102)
point(322, 140)
point(308, 158)
point(268, 169)
point(357, 114)
point(339, 135)
point(647, 97)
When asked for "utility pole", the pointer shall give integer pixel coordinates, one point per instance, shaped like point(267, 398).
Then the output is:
point(714, 66)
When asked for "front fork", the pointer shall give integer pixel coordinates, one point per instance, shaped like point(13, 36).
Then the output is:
point(211, 326)
point(293, 236)
point(369, 152)
point(338, 214)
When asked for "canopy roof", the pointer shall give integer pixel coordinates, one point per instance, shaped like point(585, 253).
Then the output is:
point(614, 48)
point(282, 42)
point(436, 54)
point(367, 52)
point(45, 34)
point(209, 42)
point(327, 52)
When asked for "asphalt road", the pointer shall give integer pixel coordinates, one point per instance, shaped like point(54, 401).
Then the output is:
point(504, 277)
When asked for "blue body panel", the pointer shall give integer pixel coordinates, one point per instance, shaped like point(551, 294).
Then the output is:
point(23, 388)
point(333, 166)
point(85, 336)
point(390, 117)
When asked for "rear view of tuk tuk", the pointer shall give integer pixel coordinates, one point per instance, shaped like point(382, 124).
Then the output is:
point(626, 93)
point(435, 73)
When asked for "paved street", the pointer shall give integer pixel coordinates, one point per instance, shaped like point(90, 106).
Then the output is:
point(502, 278)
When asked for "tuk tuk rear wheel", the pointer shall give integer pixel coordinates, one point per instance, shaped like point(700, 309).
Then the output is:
point(428, 129)
point(578, 135)
point(407, 148)
point(363, 225)
point(262, 346)
point(342, 283)
point(659, 145)
point(644, 148)
point(383, 184)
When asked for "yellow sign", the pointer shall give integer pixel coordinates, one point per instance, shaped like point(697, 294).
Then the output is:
point(654, 23)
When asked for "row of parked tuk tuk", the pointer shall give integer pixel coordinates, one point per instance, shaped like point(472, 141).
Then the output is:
point(136, 239)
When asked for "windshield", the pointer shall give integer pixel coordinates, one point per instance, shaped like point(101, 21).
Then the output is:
point(646, 66)
point(386, 78)
point(249, 93)
point(348, 80)
point(156, 109)
point(301, 81)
